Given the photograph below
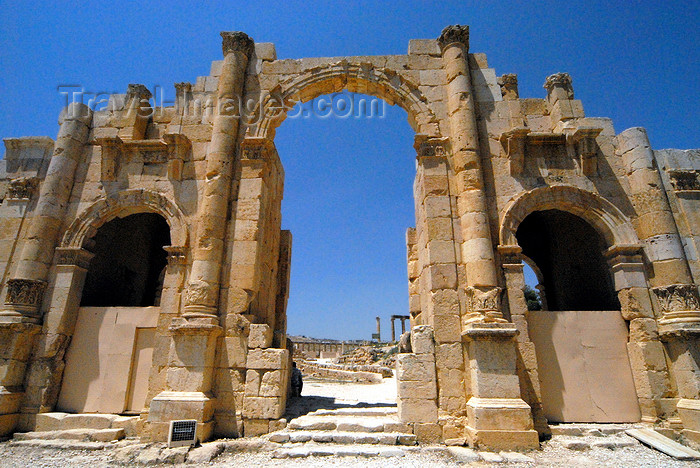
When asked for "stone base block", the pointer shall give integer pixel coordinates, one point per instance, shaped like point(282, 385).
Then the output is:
point(228, 426)
point(689, 412)
point(499, 413)
point(8, 422)
point(169, 406)
point(693, 436)
point(500, 424)
point(503, 440)
point(412, 410)
point(158, 431)
point(255, 427)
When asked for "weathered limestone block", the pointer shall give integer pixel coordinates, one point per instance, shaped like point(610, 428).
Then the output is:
point(422, 340)
point(260, 336)
point(270, 358)
point(417, 410)
point(252, 382)
point(271, 384)
point(643, 329)
point(417, 389)
point(233, 351)
point(262, 407)
point(419, 367)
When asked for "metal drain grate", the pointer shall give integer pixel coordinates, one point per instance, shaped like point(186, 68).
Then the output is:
point(182, 433)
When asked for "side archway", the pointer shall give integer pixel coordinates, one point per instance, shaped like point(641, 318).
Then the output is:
point(121, 204)
point(605, 217)
point(364, 78)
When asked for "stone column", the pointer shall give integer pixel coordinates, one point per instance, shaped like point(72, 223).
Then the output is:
point(45, 371)
point(379, 330)
point(511, 261)
point(393, 331)
point(191, 362)
point(672, 284)
point(26, 288)
point(477, 247)
point(497, 418)
point(201, 298)
point(21, 312)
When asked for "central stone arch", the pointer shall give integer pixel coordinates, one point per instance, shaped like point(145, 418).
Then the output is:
point(364, 78)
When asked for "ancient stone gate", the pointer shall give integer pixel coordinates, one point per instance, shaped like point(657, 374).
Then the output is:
point(500, 180)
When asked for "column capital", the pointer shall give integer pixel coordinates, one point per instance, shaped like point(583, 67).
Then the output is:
point(510, 254)
point(236, 41)
point(452, 34)
point(509, 86)
point(559, 86)
point(22, 188)
point(24, 296)
point(483, 306)
point(680, 308)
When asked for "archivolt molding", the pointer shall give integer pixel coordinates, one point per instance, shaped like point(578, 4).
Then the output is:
point(121, 204)
point(365, 78)
point(605, 217)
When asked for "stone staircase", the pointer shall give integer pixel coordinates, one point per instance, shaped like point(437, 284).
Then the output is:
point(368, 432)
point(77, 431)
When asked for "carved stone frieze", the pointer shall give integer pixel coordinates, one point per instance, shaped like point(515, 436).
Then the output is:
point(176, 255)
point(429, 147)
point(483, 306)
point(685, 180)
point(584, 140)
point(514, 143)
point(74, 256)
point(22, 188)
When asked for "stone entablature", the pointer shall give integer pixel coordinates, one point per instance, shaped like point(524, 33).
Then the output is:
point(486, 160)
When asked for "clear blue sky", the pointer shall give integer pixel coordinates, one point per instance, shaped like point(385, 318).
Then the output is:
point(348, 189)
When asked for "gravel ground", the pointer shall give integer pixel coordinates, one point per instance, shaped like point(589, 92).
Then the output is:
point(334, 395)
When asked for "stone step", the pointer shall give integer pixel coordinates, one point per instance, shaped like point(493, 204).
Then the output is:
point(347, 423)
point(341, 450)
point(61, 444)
point(371, 411)
point(341, 437)
point(87, 435)
point(597, 430)
point(664, 444)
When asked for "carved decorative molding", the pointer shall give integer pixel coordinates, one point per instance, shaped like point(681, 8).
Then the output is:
point(22, 188)
point(176, 255)
point(25, 293)
point(510, 254)
point(427, 147)
point(514, 143)
point(173, 147)
point(509, 86)
point(678, 298)
point(254, 148)
point(74, 256)
point(483, 306)
point(455, 33)
point(584, 140)
point(685, 180)
point(236, 41)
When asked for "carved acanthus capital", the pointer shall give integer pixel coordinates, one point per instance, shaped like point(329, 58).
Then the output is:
point(137, 91)
point(25, 294)
point(455, 33)
point(678, 298)
point(22, 188)
point(183, 87)
point(74, 256)
point(483, 305)
point(559, 86)
point(236, 41)
point(509, 86)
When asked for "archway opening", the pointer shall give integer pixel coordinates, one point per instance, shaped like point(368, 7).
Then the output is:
point(348, 202)
point(128, 267)
point(568, 252)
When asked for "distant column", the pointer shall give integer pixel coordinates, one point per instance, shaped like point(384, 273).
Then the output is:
point(403, 325)
point(393, 331)
point(379, 330)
